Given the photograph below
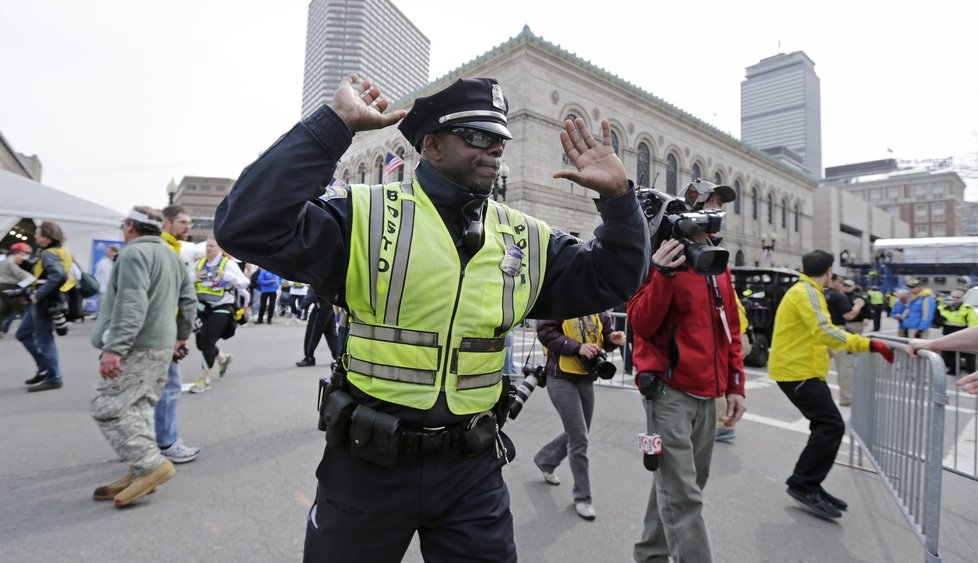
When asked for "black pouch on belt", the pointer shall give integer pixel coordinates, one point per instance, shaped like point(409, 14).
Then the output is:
point(336, 416)
point(479, 435)
point(375, 436)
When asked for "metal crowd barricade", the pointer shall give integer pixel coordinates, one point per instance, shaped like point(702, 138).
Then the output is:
point(623, 379)
point(898, 421)
point(961, 457)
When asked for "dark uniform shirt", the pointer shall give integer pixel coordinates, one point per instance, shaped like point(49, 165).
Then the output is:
point(272, 217)
point(838, 305)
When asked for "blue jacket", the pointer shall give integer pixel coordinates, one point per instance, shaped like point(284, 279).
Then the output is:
point(922, 307)
point(268, 282)
point(898, 309)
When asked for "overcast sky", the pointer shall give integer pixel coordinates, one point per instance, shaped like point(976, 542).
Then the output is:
point(118, 96)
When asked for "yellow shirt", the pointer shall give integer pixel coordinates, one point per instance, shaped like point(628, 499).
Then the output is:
point(803, 334)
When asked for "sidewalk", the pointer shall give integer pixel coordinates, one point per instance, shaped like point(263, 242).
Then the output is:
point(246, 497)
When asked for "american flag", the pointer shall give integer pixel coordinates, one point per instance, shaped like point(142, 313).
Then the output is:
point(392, 163)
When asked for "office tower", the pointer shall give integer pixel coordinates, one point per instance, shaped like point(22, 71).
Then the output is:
point(780, 111)
point(370, 37)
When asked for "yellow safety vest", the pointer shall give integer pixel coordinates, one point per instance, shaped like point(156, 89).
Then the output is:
point(419, 323)
point(963, 316)
point(211, 293)
point(875, 297)
point(66, 261)
point(582, 329)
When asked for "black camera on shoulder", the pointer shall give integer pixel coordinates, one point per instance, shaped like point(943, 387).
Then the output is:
point(670, 217)
point(599, 365)
point(532, 376)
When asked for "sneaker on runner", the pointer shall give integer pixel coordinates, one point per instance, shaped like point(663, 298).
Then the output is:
point(223, 366)
point(180, 452)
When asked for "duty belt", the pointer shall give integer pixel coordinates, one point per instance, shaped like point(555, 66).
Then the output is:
point(430, 440)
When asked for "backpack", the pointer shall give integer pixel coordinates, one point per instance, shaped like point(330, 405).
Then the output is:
point(88, 285)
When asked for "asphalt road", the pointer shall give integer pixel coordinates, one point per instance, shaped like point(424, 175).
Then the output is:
point(246, 497)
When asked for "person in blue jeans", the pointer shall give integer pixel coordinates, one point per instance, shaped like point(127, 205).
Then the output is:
point(36, 330)
point(176, 228)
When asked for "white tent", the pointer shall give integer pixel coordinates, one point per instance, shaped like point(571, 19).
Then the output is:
point(81, 220)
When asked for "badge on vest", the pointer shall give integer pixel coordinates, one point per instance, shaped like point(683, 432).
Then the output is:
point(334, 192)
point(512, 260)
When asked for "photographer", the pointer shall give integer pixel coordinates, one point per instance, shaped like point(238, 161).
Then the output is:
point(574, 360)
point(687, 335)
point(48, 305)
point(13, 278)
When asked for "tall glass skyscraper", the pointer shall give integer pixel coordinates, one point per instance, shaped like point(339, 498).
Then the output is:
point(370, 37)
point(780, 110)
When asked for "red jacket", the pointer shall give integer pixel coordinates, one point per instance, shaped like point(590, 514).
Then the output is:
point(678, 331)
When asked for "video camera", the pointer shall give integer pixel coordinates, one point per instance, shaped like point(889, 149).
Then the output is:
point(670, 217)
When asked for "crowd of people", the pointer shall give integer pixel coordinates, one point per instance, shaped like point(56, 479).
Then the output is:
point(420, 335)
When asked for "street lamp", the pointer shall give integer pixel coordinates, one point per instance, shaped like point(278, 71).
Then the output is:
point(767, 245)
point(171, 190)
point(503, 173)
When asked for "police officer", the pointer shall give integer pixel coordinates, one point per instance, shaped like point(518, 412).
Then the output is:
point(875, 297)
point(432, 275)
point(955, 316)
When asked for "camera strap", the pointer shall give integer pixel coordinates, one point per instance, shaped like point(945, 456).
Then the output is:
point(719, 301)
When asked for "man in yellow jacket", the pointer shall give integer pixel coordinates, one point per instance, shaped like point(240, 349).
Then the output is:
point(799, 363)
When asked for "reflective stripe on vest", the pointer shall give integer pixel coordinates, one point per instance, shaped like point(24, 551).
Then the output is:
point(210, 293)
point(958, 317)
point(418, 323)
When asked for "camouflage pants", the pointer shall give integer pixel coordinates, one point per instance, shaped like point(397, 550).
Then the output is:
point(124, 410)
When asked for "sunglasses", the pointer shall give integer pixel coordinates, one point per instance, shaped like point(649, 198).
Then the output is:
point(477, 138)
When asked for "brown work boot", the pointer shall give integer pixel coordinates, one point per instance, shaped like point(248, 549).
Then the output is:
point(108, 492)
point(144, 485)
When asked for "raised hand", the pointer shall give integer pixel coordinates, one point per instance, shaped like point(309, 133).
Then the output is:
point(359, 104)
point(598, 167)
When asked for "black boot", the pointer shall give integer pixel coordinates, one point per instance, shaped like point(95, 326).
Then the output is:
point(38, 377)
point(306, 362)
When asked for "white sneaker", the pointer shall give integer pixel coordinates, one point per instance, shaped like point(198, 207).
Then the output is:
point(550, 478)
point(585, 510)
point(179, 452)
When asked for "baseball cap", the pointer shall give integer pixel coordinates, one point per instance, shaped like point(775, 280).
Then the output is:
point(913, 283)
point(698, 191)
point(21, 247)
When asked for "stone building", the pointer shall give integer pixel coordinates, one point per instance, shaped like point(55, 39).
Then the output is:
point(928, 195)
point(200, 196)
point(656, 141)
point(342, 37)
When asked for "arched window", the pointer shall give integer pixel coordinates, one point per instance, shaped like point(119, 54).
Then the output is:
point(717, 179)
point(797, 217)
point(379, 168)
point(643, 169)
point(346, 176)
point(400, 169)
point(614, 143)
point(753, 203)
point(738, 191)
point(784, 212)
point(672, 174)
point(740, 259)
point(696, 172)
point(573, 119)
point(362, 173)
point(770, 208)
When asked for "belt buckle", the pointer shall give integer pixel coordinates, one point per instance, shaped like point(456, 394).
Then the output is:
point(431, 440)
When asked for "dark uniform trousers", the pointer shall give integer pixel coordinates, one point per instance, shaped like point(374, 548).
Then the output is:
point(458, 505)
point(321, 322)
point(814, 399)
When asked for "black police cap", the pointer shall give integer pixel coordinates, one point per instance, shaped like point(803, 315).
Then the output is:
point(477, 103)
